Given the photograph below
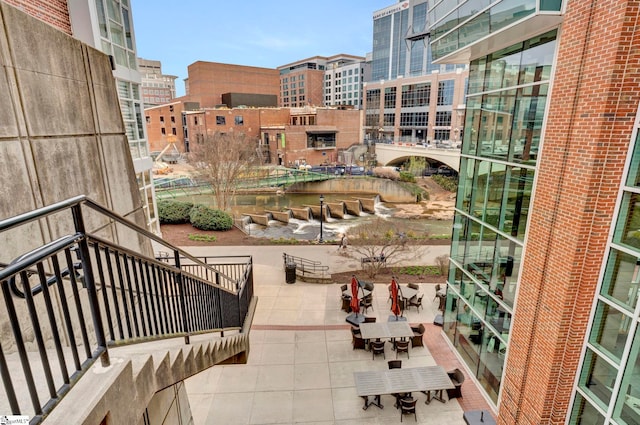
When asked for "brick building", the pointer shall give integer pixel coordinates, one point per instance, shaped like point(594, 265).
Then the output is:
point(286, 136)
point(322, 81)
point(207, 82)
point(157, 88)
point(542, 302)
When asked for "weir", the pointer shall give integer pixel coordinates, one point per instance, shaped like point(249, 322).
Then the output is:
point(301, 213)
point(312, 212)
point(353, 207)
point(281, 216)
point(335, 209)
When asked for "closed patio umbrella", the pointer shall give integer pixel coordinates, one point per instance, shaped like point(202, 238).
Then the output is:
point(355, 302)
point(395, 305)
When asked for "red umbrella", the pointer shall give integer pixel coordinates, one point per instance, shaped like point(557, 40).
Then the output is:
point(395, 306)
point(355, 302)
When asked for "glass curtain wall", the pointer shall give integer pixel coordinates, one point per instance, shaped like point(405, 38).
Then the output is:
point(608, 390)
point(505, 104)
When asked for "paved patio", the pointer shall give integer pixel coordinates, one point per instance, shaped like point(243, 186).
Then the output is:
point(301, 364)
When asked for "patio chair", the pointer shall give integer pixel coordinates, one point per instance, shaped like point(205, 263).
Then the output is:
point(457, 378)
point(402, 347)
point(368, 286)
point(417, 303)
point(377, 347)
point(369, 319)
point(407, 407)
point(346, 303)
point(357, 340)
point(366, 303)
point(438, 287)
point(344, 288)
point(413, 286)
point(418, 334)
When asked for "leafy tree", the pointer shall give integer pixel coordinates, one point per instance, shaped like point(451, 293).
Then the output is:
point(380, 236)
point(223, 160)
point(416, 165)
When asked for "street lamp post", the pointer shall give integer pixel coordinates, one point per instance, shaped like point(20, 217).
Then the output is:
point(321, 203)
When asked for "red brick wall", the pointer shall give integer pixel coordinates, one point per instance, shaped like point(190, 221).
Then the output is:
point(157, 140)
point(53, 12)
point(592, 108)
point(209, 80)
point(273, 121)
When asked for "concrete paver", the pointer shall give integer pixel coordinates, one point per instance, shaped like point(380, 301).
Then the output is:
point(301, 363)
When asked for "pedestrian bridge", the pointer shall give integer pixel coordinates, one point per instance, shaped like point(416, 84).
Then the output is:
point(397, 153)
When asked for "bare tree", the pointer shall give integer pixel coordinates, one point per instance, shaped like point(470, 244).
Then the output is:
point(223, 160)
point(378, 240)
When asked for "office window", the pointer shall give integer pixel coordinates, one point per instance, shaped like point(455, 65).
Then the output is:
point(163, 131)
point(390, 97)
point(220, 120)
point(443, 118)
point(239, 120)
point(445, 92)
point(173, 131)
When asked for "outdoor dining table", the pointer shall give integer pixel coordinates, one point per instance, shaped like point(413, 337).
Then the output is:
point(408, 293)
point(377, 330)
point(425, 379)
point(361, 293)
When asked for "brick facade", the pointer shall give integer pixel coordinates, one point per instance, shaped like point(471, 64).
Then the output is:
point(208, 81)
point(592, 108)
point(53, 12)
point(267, 125)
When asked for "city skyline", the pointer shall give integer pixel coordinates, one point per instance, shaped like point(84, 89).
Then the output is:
point(250, 42)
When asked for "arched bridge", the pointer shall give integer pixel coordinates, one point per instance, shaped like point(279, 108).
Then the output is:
point(396, 154)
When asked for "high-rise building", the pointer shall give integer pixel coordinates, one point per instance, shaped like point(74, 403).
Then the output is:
point(407, 97)
point(343, 80)
point(542, 302)
point(157, 88)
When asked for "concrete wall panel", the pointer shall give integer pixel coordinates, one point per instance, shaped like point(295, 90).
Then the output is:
point(104, 92)
point(8, 125)
point(55, 105)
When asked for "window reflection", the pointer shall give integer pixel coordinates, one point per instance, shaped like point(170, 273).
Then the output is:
point(628, 227)
point(627, 409)
point(597, 378)
point(584, 413)
point(610, 330)
point(620, 282)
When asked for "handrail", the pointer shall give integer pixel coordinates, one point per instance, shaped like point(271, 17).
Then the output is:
point(93, 294)
point(30, 216)
point(307, 265)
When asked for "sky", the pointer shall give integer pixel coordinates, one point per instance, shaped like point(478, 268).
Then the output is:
point(262, 33)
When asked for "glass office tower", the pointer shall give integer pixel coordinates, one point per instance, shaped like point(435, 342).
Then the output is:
point(529, 125)
point(505, 108)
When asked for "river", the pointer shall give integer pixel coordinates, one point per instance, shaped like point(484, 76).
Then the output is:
point(258, 203)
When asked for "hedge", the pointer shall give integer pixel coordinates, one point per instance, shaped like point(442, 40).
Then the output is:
point(205, 218)
point(174, 212)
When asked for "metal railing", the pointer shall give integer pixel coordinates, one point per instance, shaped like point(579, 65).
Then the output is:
point(69, 300)
point(306, 266)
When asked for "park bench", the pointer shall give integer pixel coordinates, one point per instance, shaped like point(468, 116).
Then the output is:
point(381, 259)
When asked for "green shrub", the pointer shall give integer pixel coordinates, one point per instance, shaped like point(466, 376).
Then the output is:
point(406, 176)
point(447, 183)
point(205, 218)
point(174, 212)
